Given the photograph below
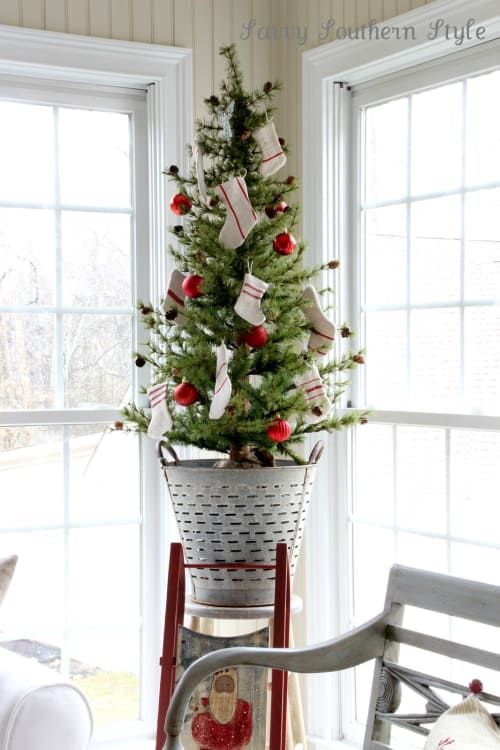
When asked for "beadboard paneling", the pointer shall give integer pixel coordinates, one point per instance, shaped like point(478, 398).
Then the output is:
point(121, 19)
point(77, 17)
point(142, 21)
point(100, 13)
point(163, 22)
point(32, 14)
point(203, 59)
point(11, 12)
point(204, 25)
point(56, 15)
point(222, 32)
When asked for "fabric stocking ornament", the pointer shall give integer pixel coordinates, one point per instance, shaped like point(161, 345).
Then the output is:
point(323, 333)
point(248, 303)
point(161, 421)
point(315, 395)
point(241, 217)
point(273, 157)
point(223, 387)
point(175, 295)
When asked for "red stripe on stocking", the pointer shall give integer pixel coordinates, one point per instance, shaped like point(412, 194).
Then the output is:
point(230, 206)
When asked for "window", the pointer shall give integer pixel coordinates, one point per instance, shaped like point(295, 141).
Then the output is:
point(68, 214)
point(425, 477)
point(81, 240)
point(409, 164)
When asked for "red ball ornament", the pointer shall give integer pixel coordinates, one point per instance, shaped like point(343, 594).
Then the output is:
point(180, 204)
point(255, 337)
point(185, 394)
point(284, 243)
point(476, 686)
point(192, 286)
point(282, 206)
point(279, 430)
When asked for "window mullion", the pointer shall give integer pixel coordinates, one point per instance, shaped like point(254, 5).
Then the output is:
point(462, 240)
point(409, 384)
point(65, 641)
point(59, 354)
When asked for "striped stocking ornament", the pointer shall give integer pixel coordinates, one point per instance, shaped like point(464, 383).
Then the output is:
point(241, 217)
point(323, 330)
point(223, 387)
point(175, 295)
point(248, 303)
point(273, 157)
point(161, 421)
point(315, 395)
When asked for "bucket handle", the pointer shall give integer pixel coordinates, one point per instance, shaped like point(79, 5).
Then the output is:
point(162, 444)
point(316, 452)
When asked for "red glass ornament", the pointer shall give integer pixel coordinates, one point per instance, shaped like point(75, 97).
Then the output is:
point(476, 686)
point(185, 394)
point(279, 430)
point(282, 206)
point(192, 286)
point(284, 243)
point(255, 337)
point(180, 204)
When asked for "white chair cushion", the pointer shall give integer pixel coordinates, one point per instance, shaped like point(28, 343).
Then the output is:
point(466, 725)
point(39, 710)
point(7, 567)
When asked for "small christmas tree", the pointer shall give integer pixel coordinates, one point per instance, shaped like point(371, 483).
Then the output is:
point(237, 349)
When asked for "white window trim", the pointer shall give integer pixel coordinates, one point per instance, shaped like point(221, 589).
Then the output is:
point(31, 56)
point(325, 198)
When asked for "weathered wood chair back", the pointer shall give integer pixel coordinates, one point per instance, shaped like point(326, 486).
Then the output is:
point(451, 596)
point(381, 639)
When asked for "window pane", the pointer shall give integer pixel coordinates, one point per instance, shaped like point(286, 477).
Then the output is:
point(482, 359)
point(98, 492)
point(27, 345)
point(483, 134)
point(475, 562)
point(374, 553)
point(386, 372)
point(421, 494)
point(27, 256)
point(104, 576)
point(96, 259)
point(386, 255)
point(26, 153)
point(97, 359)
point(435, 359)
point(435, 257)
point(482, 244)
point(31, 476)
point(105, 665)
point(437, 139)
point(374, 495)
point(35, 601)
point(94, 157)
point(475, 479)
point(422, 552)
point(386, 151)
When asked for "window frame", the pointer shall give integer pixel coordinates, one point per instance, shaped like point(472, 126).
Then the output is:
point(328, 71)
point(66, 65)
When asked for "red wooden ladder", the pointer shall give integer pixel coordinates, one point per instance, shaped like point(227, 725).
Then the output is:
point(174, 617)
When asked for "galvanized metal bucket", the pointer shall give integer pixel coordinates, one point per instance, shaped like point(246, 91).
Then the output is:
point(238, 516)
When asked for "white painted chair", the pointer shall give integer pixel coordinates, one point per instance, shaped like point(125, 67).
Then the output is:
point(380, 639)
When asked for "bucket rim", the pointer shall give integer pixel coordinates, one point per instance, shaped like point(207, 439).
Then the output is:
point(208, 465)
